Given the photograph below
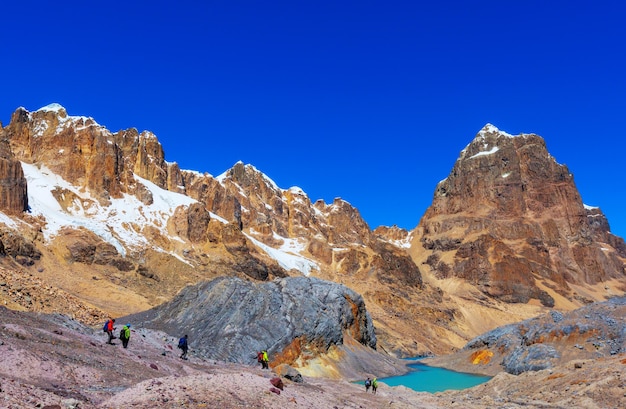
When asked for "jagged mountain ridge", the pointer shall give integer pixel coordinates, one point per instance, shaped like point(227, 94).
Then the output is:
point(240, 223)
point(147, 242)
point(127, 162)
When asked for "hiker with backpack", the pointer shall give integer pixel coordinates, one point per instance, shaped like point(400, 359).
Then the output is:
point(374, 385)
point(263, 359)
point(125, 335)
point(368, 383)
point(109, 328)
point(183, 344)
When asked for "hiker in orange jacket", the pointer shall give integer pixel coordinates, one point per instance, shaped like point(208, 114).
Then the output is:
point(110, 329)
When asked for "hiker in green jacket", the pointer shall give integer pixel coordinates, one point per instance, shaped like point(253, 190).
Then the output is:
point(125, 335)
point(263, 359)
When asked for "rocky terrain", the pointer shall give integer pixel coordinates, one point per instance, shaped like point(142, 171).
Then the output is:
point(52, 361)
point(592, 332)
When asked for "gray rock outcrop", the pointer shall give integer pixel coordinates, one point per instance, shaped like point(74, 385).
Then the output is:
point(295, 317)
point(594, 331)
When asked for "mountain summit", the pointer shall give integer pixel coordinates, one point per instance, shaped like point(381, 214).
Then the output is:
point(509, 220)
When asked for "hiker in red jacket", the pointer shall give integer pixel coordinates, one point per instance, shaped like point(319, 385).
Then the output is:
point(110, 329)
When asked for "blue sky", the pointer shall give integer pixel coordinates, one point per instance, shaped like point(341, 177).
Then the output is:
point(370, 101)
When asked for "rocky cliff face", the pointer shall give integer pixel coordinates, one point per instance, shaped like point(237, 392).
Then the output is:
point(13, 189)
point(510, 220)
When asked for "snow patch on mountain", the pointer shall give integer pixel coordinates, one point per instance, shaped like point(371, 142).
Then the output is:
point(483, 153)
point(404, 243)
point(115, 223)
point(54, 107)
point(7, 221)
point(65, 121)
point(489, 128)
point(286, 257)
point(120, 223)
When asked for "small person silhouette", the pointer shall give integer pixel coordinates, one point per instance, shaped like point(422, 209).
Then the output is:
point(183, 344)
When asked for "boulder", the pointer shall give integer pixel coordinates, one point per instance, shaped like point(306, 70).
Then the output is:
point(277, 382)
point(288, 372)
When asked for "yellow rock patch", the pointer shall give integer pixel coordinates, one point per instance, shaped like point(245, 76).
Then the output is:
point(481, 357)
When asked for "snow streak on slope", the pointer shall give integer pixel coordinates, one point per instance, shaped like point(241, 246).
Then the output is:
point(285, 258)
point(113, 223)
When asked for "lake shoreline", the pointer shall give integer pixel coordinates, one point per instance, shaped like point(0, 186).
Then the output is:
point(423, 377)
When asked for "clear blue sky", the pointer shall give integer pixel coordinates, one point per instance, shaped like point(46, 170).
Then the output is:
point(370, 101)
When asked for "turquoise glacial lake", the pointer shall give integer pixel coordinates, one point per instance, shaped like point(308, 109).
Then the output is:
point(424, 378)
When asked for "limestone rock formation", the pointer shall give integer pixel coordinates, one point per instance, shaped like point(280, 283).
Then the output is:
point(510, 220)
point(19, 248)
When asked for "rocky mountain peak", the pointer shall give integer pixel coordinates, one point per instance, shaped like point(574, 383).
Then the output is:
point(247, 176)
point(54, 107)
point(394, 234)
point(509, 216)
point(500, 167)
point(486, 141)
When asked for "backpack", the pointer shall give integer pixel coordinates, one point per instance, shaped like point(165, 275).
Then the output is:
point(105, 328)
point(181, 343)
point(123, 333)
point(368, 383)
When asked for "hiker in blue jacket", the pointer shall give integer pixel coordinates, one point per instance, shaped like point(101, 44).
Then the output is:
point(184, 346)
